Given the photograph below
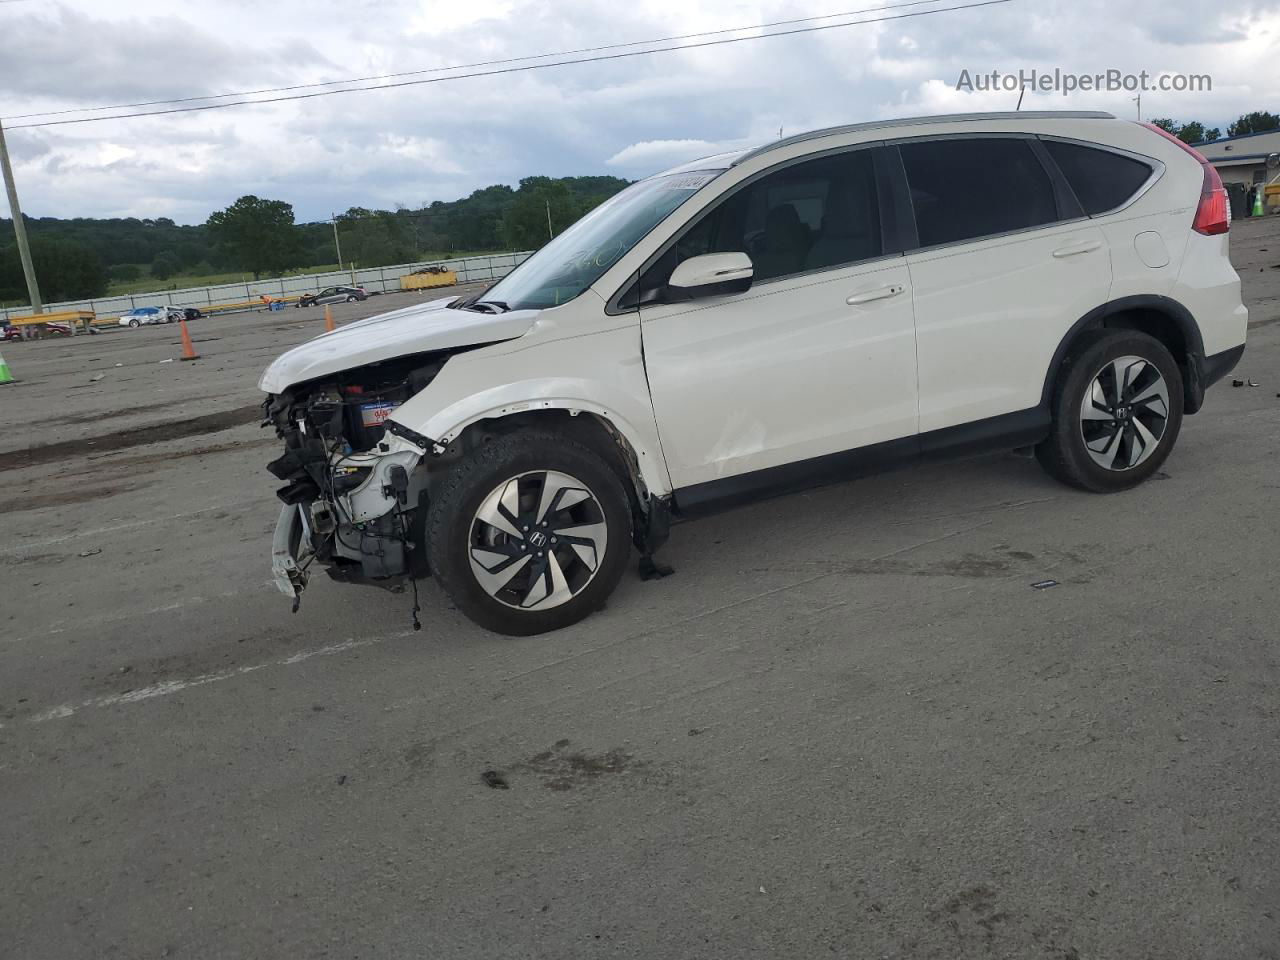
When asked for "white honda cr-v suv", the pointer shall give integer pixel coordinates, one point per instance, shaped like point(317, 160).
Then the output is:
point(755, 322)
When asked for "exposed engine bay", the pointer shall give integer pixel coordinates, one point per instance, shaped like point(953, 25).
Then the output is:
point(352, 493)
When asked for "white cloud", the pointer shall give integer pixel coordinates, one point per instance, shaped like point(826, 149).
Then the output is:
point(652, 154)
point(630, 116)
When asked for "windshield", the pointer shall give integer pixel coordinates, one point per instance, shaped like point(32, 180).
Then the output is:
point(578, 257)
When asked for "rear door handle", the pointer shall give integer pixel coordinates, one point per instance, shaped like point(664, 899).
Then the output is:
point(876, 293)
point(1075, 249)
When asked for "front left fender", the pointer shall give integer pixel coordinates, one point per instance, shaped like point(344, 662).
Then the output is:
point(601, 374)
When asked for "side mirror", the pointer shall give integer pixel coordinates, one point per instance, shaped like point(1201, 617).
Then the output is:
point(712, 274)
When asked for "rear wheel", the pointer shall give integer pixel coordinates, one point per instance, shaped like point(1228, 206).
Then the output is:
point(352, 299)
point(1117, 410)
point(135, 323)
point(529, 533)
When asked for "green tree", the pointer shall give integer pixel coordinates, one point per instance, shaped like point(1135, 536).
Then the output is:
point(542, 207)
point(66, 271)
point(125, 272)
point(1259, 121)
point(1192, 132)
point(259, 235)
point(165, 265)
point(375, 238)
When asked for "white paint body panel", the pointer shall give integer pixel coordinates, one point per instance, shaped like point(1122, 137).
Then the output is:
point(786, 371)
point(1209, 287)
point(991, 313)
point(574, 358)
point(417, 329)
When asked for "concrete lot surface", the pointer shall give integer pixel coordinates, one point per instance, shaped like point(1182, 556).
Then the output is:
point(847, 726)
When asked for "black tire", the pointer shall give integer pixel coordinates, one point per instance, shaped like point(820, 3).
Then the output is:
point(455, 504)
point(352, 299)
point(135, 324)
point(1064, 454)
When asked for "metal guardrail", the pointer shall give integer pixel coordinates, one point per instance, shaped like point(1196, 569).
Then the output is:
point(379, 279)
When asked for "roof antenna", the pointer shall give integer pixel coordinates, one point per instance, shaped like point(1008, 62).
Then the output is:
point(1022, 92)
point(779, 133)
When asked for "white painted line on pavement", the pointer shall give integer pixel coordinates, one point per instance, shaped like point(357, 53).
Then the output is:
point(167, 687)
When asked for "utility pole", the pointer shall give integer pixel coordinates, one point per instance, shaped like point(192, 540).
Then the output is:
point(20, 228)
point(334, 217)
point(1138, 101)
point(550, 235)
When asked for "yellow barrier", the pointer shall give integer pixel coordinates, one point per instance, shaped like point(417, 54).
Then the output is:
point(257, 303)
point(66, 316)
point(424, 281)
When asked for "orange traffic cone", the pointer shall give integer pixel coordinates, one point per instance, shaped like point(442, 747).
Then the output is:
point(188, 348)
point(328, 319)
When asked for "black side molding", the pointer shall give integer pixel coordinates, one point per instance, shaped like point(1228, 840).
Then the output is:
point(1219, 365)
point(1004, 432)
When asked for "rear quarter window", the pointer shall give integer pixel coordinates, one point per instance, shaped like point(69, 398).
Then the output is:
point(1102, 180)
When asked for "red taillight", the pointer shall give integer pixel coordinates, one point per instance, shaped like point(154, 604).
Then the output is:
point(1213, 214)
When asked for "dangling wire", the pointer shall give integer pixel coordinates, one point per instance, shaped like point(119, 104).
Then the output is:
point(413, 582)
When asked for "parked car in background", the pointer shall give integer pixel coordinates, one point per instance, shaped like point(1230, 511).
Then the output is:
point(56, 329)
point(759, 321)
point(140, 315)
point(333, 295)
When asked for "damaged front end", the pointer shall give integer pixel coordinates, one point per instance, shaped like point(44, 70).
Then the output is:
point(353, 496)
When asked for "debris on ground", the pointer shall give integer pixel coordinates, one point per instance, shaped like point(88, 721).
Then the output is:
point(96, 377)
point(494, 780)
point(92, 552)
point(1044, 584)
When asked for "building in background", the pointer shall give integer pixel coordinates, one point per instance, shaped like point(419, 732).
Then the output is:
point(1242, 159)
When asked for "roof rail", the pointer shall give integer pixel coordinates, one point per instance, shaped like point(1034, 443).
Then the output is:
point(911, 121)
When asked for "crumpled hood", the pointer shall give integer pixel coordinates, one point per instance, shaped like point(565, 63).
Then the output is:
point(418, 329)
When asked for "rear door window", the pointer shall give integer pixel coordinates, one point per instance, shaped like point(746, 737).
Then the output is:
point(964, 189)
point(1102, 180)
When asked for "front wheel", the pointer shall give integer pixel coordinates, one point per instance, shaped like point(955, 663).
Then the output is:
point(529, 533)
point(135, 323)
point(1117, 410)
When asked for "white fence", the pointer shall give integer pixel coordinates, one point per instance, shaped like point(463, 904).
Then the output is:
point(373, 279)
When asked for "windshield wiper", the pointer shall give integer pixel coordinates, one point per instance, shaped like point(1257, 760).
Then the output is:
point(497, 306)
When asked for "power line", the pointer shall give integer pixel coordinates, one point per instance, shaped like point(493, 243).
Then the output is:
point(468, 66)
point(517, 69)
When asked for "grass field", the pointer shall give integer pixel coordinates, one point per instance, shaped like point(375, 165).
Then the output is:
point(148, 284)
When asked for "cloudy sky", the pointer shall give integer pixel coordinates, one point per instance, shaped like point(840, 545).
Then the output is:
point(627, 117)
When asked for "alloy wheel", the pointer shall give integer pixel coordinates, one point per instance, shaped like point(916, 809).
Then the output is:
point(537, 540)
point(1124, 413)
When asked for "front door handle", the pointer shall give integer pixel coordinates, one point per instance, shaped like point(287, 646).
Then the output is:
point(1075, 249)
point(876, 293)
